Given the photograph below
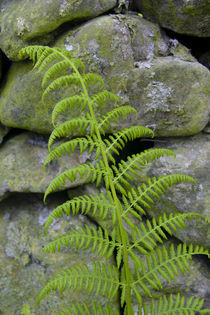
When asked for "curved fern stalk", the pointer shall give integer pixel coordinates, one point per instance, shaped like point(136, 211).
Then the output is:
point(95, 205)
point(146, 236)
point(101, 279)
point(164, 262)
point(83, 239)
point(84, 82)
point(95, 309)
point(174, 305)
point(142, 195)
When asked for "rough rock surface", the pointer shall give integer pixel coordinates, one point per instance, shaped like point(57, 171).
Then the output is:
point(25, 22)
point(155, 75)
point(189, 17)
point(21, 167)
point(192, 158)
point(24, 268)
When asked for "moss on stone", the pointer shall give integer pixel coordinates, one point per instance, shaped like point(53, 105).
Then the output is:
point(179, 16)
point(26, 22)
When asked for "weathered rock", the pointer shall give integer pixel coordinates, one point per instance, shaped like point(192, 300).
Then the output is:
point(21, 167)
point(172, 104)
point(3, 131)
point(192, 158)
point(24, 22)
point(24, 268)
point(133, 58)
point(186, 16)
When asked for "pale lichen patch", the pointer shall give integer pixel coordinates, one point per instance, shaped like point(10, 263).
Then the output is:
point(158, 95)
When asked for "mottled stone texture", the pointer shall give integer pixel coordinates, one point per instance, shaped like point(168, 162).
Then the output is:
point(25, 22)
point(190, 17)
point(21, 167)
point(24, 268)
point(192, 158)
point(155, 75)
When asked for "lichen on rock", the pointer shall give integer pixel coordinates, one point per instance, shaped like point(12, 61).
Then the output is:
point(25, 22)
point(21, 167)
point(24, 268)
point(190, 17)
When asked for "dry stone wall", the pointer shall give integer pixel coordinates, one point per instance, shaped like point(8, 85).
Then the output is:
point(148, 70)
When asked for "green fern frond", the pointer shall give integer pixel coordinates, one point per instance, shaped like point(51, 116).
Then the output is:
point(53, 70)
point(104, 96)
point(174, 305)
point(36, 53)
point(100, 278)
point(89, 172)
point(115, 115)
point(146, 236)
point(93, 78)
point(164, 262)
point(93, 309)
point(26, 310)
point(95, 205)
point(119, 139)
point(48, 56)
point(137, 161)
point(84, 238)
point(142, 195)
point(70, 146)
point(69, 102)
point(78, 64)
point(65, 129)
point(103, 279)
point(61, 82)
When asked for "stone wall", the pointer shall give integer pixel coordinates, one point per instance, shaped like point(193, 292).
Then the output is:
point(147, 69)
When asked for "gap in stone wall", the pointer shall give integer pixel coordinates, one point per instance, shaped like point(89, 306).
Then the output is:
point(198, 46)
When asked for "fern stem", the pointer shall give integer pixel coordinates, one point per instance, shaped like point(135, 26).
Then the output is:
point(113, 190)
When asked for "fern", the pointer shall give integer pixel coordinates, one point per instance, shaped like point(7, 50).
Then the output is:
point(174, 305)
point(26, 310)
point(121, 201)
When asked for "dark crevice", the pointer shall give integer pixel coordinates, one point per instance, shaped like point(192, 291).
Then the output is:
point(72, 25)
point(11, 134)
point(134, 147)
point(198, 45)
point(6, 63)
